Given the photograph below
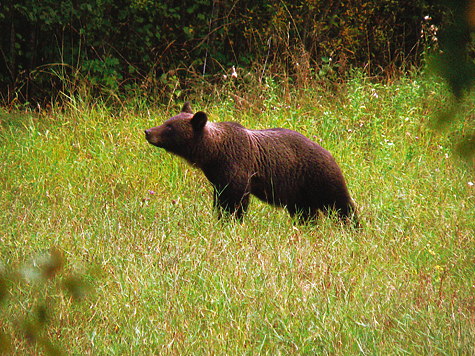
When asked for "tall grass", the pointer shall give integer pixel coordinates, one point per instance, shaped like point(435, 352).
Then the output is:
point(136, 224)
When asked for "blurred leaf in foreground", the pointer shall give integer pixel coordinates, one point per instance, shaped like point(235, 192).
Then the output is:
point(454, 63)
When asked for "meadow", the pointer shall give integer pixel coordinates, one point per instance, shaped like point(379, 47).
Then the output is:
point(110, 246)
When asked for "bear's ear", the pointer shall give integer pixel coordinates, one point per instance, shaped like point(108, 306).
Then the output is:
point(198, 121)
point(187, 108)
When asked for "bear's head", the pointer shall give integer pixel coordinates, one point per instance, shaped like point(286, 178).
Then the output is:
point(178, 134)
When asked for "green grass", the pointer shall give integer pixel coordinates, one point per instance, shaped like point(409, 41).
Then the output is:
point(136, 225)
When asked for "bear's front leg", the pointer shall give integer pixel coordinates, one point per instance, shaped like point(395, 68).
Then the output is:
point(232, 201)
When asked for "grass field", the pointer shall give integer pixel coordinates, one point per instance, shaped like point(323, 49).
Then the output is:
point(109, 246)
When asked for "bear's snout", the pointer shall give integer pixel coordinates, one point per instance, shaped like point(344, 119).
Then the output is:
point(150, 137)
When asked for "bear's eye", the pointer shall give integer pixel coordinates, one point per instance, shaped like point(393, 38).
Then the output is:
point(169, 128)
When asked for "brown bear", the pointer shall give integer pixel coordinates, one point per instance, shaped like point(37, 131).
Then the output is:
point(279, 166)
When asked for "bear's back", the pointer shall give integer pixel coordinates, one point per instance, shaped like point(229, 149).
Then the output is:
point(288, 143)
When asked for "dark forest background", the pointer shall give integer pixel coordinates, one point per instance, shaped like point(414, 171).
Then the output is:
point(151, 46)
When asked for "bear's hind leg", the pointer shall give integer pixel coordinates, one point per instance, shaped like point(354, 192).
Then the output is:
point(303, 215)
point(347, 214)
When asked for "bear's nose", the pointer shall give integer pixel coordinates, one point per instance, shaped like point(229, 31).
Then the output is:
point(147, 134)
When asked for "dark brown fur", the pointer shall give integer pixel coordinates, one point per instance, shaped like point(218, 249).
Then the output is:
point(278, 166)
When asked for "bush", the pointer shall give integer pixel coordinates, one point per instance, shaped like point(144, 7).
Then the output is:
point(52, 46)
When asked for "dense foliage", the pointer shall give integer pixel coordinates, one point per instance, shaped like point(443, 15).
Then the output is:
point(147, 44)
